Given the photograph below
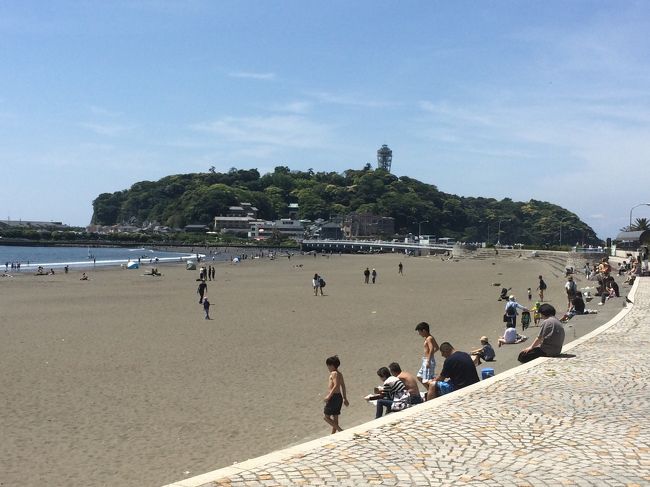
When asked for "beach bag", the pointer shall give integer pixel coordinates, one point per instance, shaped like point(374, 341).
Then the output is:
point(525, 319)
point(321, 282)
point(542, 285)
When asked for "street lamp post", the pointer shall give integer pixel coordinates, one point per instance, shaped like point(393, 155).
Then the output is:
point(499, 232)
point(420, 228)
point(562, 221)
point(629, 229)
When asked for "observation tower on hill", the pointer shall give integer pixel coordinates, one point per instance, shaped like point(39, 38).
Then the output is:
point(384, 158)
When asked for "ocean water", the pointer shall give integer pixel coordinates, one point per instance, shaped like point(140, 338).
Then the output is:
point(82, 257)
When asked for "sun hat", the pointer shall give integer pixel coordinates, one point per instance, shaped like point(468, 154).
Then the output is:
point(512, 297)
point(484, 339)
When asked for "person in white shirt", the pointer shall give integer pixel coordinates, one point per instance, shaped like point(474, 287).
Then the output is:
point(511, 336)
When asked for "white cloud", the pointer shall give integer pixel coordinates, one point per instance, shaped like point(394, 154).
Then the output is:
point(107, 129)
point(291, 131)
point(455, 113)
point(251, 75)
point(297, 107)
point(103, 112)
point(349, 100)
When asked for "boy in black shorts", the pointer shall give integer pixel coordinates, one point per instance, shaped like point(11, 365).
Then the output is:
point(336, 394)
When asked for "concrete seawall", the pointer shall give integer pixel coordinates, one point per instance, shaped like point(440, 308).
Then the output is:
point(574, 420)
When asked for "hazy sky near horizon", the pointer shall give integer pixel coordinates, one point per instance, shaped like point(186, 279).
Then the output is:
point(528, 100)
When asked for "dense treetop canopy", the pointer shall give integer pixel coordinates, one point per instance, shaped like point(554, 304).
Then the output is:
point(197, 198)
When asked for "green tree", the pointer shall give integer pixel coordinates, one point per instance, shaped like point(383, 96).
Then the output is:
point(640, 224)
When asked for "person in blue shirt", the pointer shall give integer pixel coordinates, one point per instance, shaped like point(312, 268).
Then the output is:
point(511, 312)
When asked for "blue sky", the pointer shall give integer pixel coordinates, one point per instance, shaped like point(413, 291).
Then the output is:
point(546, 100)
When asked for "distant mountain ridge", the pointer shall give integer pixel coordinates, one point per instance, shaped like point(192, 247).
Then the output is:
point(198, 197)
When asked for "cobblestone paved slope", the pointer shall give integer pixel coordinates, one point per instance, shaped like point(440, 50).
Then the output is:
point(581, 419)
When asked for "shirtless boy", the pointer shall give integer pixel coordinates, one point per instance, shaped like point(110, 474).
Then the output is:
point(426, 372)
point(409, 381)
point(336, 395)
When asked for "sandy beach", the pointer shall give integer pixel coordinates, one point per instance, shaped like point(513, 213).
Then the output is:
point(120, 380)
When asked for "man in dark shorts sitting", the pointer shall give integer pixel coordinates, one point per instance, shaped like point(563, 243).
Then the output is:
point(457, 372)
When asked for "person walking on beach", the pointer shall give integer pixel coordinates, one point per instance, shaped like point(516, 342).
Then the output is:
point(400, 269)
point(202, 289)
point(541, 288)
point(321, 285)
point(374, 276)
point(336, 394)
point(209, 273)
point(213, 272)
point(550, 339)
point(206, 308)
point(366, 276)
point(427, 370)
point(315, 282)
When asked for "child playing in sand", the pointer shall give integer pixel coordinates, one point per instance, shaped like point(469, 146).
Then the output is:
point(336, 395)
point(426, 372)
point(486, 352)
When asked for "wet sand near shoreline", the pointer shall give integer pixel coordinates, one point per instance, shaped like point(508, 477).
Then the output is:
point(120, 380)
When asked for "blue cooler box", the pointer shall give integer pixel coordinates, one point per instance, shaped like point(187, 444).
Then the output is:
point(485, 373)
